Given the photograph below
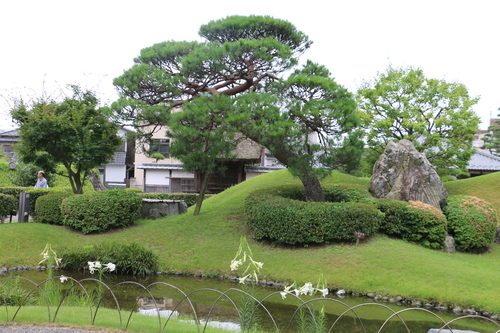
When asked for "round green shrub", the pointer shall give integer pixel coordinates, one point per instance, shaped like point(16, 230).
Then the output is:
point(48, 208)
point(413, 221)
point(101, 211)
point(8, 205)
point(472, 222)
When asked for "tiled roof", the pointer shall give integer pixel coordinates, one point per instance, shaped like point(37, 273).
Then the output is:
point(160, 166)
point(483, 160)
point(118, 158)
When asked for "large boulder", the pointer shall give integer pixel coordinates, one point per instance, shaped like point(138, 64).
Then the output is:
point(402, 173)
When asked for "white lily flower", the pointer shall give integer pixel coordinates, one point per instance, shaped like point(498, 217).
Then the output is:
point(92, 267)
point(63, 278)
point(97, 264)
point(283, 294)
point(258, 264)
point(307, 289)
point(323, 292)
point(110, 266)
point(235, 264)
point(243, 279)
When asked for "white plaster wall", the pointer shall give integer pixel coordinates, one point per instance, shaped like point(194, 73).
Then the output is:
point(115, 173)
point(140, 158)
point(157, 177)
point(182, 174)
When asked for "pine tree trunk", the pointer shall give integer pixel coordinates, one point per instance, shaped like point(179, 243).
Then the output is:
point(203, 189)
point(312, 188)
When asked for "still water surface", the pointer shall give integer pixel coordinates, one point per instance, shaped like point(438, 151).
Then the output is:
point(217, 300)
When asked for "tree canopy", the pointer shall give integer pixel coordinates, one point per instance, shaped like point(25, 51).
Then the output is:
point(237, 79)
point(492, 139)
point(73, 132)
point(437, 116)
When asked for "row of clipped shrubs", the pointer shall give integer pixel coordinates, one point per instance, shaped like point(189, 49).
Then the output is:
point(89, 212)
point(280, 215)
point(98, 211)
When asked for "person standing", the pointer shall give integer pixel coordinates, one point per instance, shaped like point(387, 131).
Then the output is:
point(41, 182)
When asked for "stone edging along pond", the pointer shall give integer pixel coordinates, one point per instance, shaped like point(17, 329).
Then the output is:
point(398, 300)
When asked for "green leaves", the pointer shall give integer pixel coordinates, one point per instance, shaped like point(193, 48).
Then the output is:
point(436, 115)
point(231, 88)
point(74, 132)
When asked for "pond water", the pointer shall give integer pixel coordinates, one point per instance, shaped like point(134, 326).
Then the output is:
point(217, 301)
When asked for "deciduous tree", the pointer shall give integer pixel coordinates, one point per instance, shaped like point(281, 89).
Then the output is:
point(437, 116)
point(74, 132)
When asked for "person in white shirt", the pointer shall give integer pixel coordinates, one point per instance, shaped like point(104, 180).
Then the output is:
point(41, 182)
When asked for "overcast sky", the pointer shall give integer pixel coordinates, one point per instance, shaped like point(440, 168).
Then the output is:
point(47, 44)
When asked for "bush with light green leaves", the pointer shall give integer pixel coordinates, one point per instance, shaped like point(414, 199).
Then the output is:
point(472, 222)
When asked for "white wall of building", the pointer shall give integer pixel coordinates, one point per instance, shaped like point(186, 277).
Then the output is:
point(157, 177)
point(182, 174)
point(115, 173)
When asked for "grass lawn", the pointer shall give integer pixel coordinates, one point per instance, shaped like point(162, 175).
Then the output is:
point(207, 243)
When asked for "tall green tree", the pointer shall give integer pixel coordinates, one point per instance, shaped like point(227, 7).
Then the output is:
point(74, 132)
point(437, 116)
point(246, 59)
point(492, 139)
point(308, 122)
point(202, 141)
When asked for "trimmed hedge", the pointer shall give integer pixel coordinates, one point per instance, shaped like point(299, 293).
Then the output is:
point(48, 208)
point(288, 221)
point(413, 221)
point(8, 205)
point(333, 193)
point(14, 190)
point(189, 198)
point(472, 222)
point(101, 211)
point(39, 192)
point(337, 193)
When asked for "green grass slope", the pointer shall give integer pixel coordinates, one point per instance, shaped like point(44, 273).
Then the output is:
point(207, 243)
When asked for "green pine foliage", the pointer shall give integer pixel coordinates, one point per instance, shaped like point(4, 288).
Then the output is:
point(492, 139)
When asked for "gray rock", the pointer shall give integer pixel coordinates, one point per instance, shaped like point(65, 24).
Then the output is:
point(158, 208)
point(402, 173)
point(449, 244)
